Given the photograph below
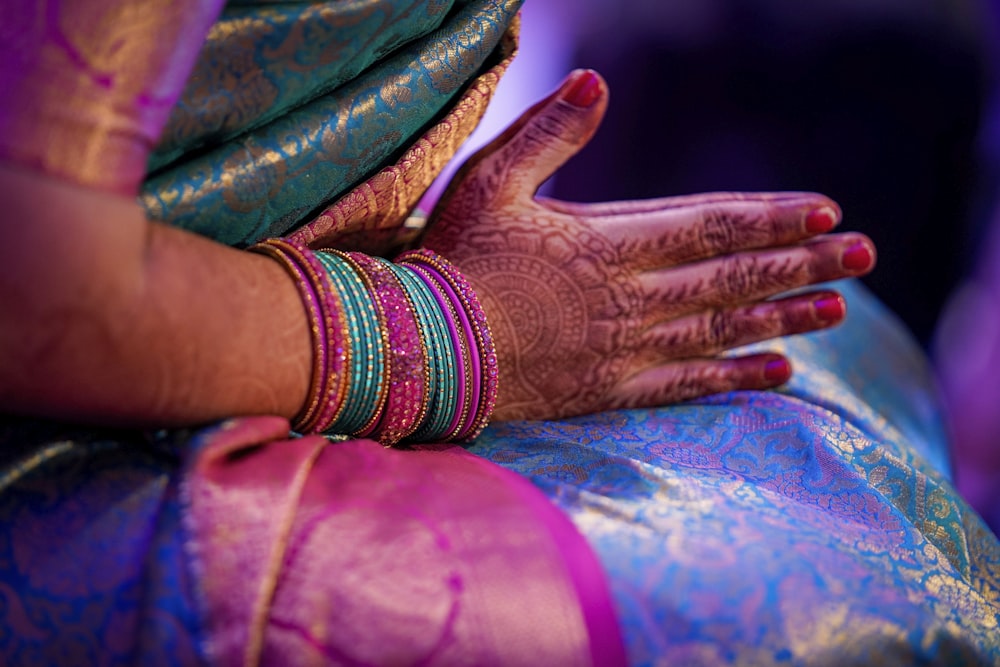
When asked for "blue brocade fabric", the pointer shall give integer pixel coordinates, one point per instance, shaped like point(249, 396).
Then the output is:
point(812, 526)
point(81, 514)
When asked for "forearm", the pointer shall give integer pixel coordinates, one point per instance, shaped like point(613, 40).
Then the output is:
point(111, 319)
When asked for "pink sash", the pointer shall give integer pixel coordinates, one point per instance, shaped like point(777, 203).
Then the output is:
point(307, 551)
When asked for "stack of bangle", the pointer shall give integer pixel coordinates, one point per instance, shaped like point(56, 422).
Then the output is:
point(400, 350)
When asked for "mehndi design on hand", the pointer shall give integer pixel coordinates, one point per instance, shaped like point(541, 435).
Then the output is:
point(626, 304)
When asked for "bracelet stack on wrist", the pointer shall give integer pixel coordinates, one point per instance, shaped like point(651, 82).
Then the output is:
point(400, 350)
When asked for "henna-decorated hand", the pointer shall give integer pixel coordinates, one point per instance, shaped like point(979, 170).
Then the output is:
point(629, 304)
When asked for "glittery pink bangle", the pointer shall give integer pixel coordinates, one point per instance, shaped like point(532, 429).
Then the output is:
point(407, 369)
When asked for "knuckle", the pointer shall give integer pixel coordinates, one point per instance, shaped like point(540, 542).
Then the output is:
point(740, 277)
point(548, 127)
point(701, 380)
point(718, 231)
point(776, 221)
point(720, 330)
point(725, 228)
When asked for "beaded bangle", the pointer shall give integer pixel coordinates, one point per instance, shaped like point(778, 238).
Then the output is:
point(440, 356)
point(400, 350)
point(470, 304)
point(405, 405)
point(425, 333)
point(365, 344)
point(338, 380)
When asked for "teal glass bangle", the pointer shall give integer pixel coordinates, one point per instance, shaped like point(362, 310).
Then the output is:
point(380, 360)
point(460, 344)
point(350, 418)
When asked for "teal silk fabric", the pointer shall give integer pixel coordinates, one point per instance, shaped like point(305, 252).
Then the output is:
point(270, 176)
point(815, 525)
point(283, 57)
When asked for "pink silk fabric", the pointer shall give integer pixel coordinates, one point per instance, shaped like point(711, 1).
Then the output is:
point(312, 552)
point(86, 87)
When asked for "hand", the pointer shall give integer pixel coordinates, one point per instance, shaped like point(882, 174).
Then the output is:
point(629, 304)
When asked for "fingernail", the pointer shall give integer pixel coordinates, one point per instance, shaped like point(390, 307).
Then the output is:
point(857, 258)
point(830, 308)
point(584, 91)
point(777, 371)
point(821, 220)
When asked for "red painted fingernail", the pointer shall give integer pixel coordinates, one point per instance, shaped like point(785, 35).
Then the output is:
point(830, 308)
point(821, 220)
point(584, 91)
point(778, 371)
point(857, 258)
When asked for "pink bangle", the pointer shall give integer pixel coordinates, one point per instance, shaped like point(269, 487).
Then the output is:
point(323, 305)
point(406, 400)
point(310, 301)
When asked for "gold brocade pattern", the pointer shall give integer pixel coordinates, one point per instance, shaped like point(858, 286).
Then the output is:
point(273, 179)
point(815, 526)
point(257, 64)
point(85, 88)
point(383, 202)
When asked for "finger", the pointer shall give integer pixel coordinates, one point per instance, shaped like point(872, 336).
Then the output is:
point(711, 228)
point(709, 333)
point(527, 153)
point(613, 208)
point(684, 380)
point(746, 277)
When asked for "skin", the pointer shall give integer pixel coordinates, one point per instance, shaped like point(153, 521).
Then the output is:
point(111, 319)
point(629, 304)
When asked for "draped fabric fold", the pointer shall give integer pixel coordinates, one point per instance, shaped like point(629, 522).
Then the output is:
point(257, 64)
point(309, 552)
point(370, 216)
point(268, 180)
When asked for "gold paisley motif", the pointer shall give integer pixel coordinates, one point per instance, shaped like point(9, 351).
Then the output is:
point(384, 201)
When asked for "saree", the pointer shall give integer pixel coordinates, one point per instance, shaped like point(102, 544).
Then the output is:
point(814, 525)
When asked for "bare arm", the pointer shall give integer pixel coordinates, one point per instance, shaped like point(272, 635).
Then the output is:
point(108, 318)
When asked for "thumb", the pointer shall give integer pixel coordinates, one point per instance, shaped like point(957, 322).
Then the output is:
point(548, 134)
